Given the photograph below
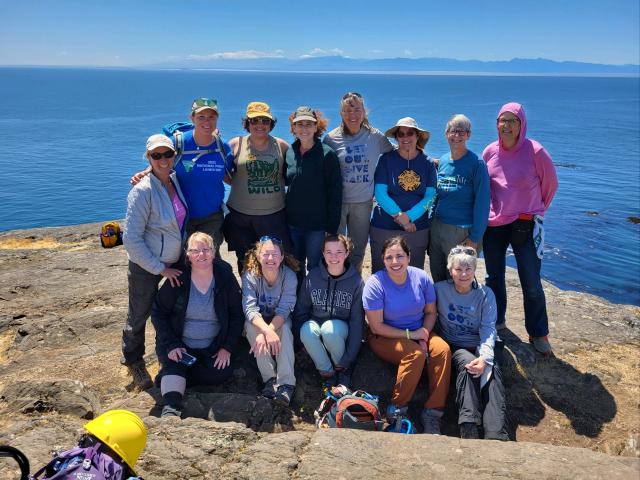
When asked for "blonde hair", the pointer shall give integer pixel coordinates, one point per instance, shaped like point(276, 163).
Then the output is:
point(252, 263)
point(348, 100)
point(200, 237)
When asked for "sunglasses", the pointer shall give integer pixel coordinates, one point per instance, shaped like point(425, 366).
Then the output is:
point(204, 102)
point(158, 156)
point(267, 238)
point(401, 134)
point(351, 94)
point(258, 120)
point(465, 250)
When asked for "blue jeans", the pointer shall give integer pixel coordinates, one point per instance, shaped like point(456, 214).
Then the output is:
point(495, 243)
point(307, 248)
point(319, 339)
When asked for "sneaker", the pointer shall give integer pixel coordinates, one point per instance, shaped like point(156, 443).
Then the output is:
point(141, 377)
point(469, 430)
point(344, 378)
point(269, 389)
point(328, 383)
point(170, 411)
point(430, 418)
point(284, 394)
point(501, 325)
point(542, 345)
point(394, 412)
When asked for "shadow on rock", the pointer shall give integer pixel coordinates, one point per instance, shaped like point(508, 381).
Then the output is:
point(580, 396)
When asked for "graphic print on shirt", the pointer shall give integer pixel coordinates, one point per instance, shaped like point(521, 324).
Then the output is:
point(409, 180)
point(451, 183)
point(459, 317)
point(267, 305)
point(262, 175)
point(336, 299)
point(355, 165)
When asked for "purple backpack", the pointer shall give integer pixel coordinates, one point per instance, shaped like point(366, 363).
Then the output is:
point(81, 464)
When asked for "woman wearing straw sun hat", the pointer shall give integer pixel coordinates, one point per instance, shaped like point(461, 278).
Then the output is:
point(405, 182)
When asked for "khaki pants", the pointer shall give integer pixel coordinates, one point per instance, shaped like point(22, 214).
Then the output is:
point(279, 366)
point(443, 237)
point(410, 359)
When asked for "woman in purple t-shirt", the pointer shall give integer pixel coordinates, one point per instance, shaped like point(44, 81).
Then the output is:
point(400, 305)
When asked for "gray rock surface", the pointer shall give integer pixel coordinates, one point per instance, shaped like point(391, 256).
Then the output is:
point(62, 305)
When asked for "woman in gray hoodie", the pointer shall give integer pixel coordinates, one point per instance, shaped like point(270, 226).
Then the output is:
point(329, 312)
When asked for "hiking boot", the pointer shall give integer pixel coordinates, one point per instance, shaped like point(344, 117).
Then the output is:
point(394, 412)
point(328, 383)
point(141, 377)
point(430, 418)
point(170, 411)
point(269, 389)
point(542, 345)
point(344, 378)
point(284, 394)
point(501, 325)
point(469, 430)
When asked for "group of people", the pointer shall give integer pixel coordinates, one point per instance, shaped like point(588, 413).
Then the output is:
point(289, 209)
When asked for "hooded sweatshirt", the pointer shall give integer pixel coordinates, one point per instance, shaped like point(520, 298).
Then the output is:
point(323, 297)
point(522, 179)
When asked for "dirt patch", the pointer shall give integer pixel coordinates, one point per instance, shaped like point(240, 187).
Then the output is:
point(20, 243)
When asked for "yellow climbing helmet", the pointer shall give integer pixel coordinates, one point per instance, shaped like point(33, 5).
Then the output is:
point(122, 431)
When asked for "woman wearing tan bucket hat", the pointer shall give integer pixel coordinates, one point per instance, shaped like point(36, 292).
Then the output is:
point(405, 187)
point(256, 202)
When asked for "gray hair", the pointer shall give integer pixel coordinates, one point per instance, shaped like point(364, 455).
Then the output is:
point(463, 256)
point(458, 121)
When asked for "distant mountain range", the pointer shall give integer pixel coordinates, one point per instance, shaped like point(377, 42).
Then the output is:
point(408, 65)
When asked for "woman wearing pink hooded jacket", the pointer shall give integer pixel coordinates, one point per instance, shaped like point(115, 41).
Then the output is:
point(523, 182)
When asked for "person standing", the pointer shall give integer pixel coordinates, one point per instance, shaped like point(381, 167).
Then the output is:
point(314, 195)
point(462, 206)
point(358, 146)
point(523, 182)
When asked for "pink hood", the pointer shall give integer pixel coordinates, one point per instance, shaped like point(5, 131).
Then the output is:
point(518, 111)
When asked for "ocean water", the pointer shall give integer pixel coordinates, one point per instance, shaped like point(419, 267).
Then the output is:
point(73, 137)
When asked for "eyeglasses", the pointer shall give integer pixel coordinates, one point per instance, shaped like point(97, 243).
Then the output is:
point(408, 133)
point(198, 251)
point(465, 250)
point(351, 94)
point(458, 131)
point(271, 238)
point(258, 120)
point(508, 121)
point(204, 102)
point(158, 155)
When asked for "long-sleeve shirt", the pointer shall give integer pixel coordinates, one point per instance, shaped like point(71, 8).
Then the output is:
point(467, 320)
point(463, 193)
point(258, 298)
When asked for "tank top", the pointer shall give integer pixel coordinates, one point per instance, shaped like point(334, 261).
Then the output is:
point(257, 187)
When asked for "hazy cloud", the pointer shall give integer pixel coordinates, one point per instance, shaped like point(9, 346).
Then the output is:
point(408, 53)
point(238, 55)
point(321, 52)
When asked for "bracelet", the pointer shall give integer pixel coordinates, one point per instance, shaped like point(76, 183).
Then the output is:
point(407, 332)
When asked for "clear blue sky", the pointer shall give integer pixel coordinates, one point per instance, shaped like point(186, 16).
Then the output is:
point(131, 32)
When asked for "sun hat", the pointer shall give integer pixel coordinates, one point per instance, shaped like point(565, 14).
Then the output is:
point(304, 113)
point(408, 122)
point(258, 109)
point(159, 140)
point(200, 104)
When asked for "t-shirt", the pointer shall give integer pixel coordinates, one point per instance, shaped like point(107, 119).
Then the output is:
point(201, 324)
point(358, 155)
point(201, 180)
point(463, 193)
point(402, 305)
point(407, 182)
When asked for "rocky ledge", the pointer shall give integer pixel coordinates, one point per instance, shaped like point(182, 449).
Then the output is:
point(63, 301)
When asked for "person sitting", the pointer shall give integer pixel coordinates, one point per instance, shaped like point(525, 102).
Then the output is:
point(329, 314)
point(400, 306)
point(201, 317)
point(268, 297)
point(467, 322)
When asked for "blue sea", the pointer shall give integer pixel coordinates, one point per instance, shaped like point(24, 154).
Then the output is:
point(73, 137)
